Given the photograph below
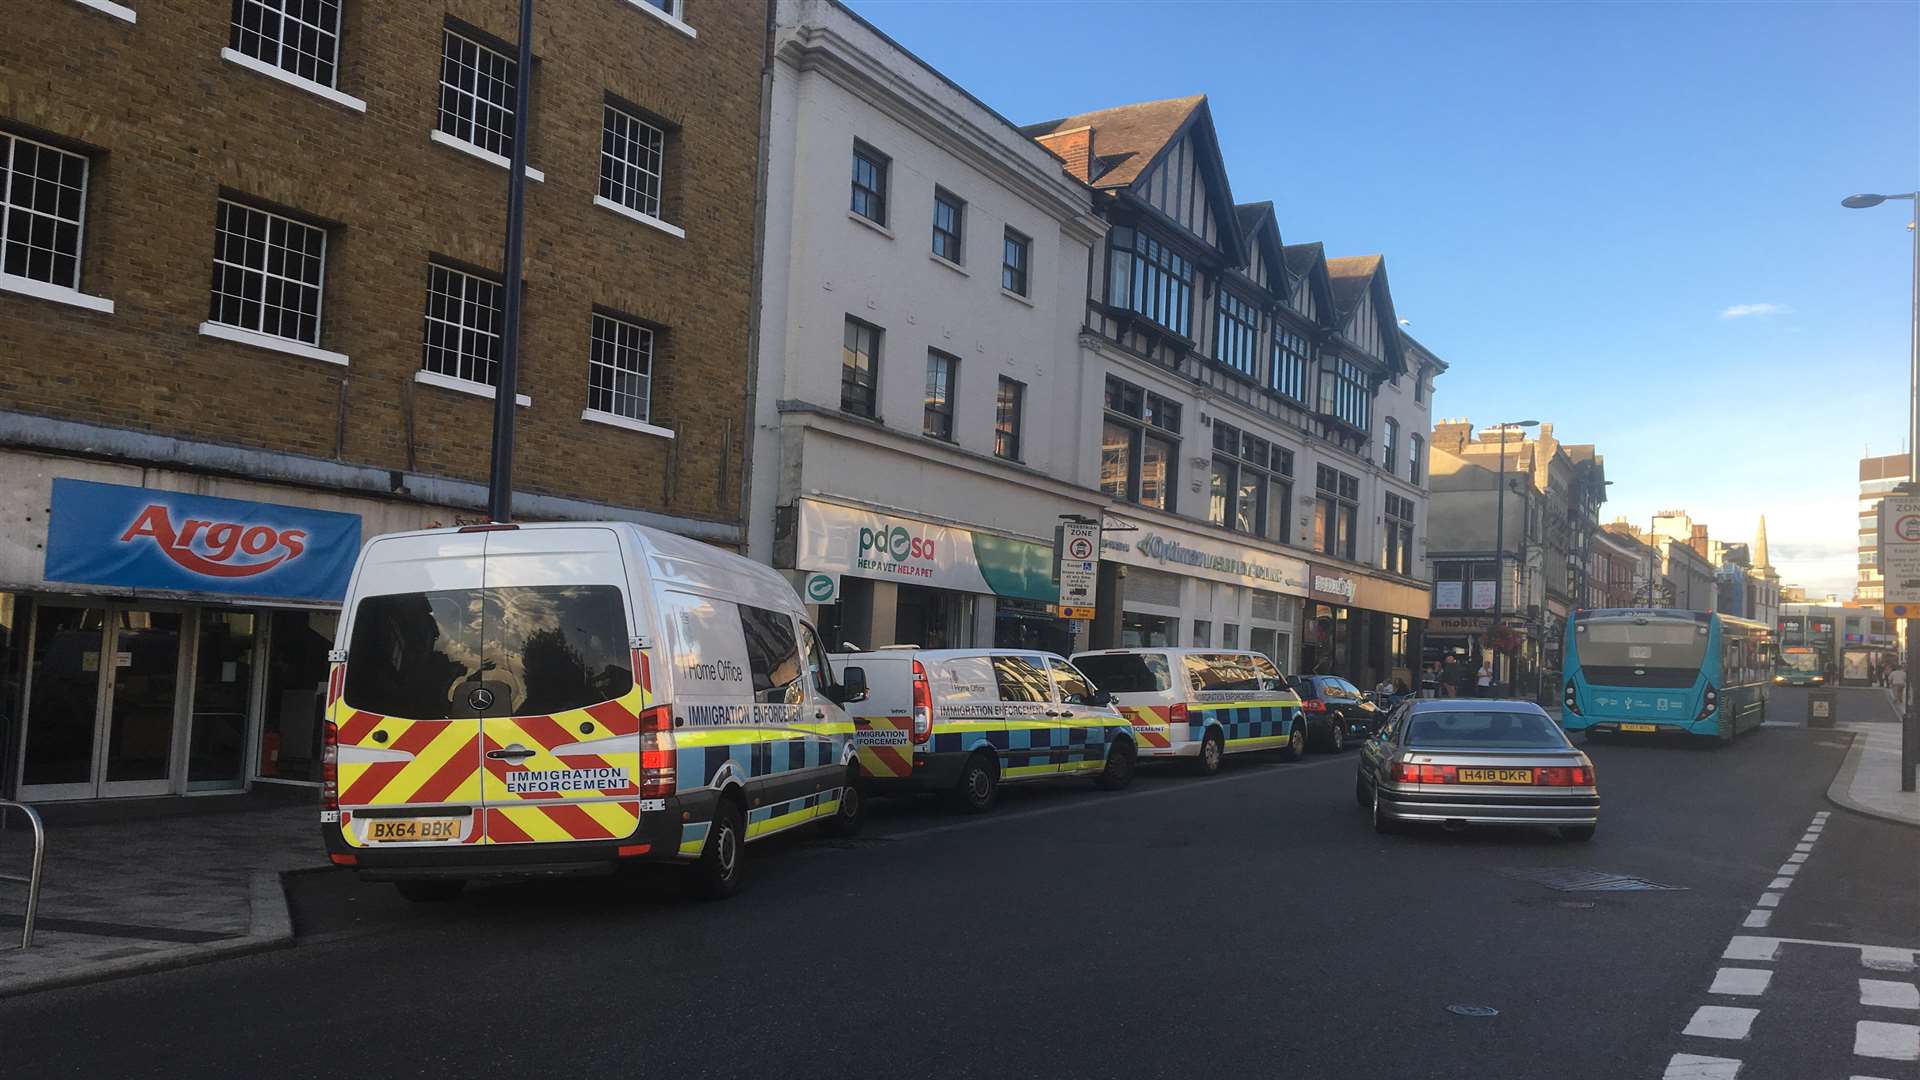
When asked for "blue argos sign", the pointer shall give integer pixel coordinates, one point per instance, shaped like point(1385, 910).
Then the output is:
point(111, 534)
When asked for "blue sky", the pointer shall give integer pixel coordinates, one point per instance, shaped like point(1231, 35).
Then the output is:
point(1577, 204)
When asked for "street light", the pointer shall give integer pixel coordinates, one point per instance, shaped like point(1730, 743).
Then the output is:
point(1910, 730)
point(1500, 531)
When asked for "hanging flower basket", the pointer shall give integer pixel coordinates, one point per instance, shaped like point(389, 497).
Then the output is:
point(1504, 639)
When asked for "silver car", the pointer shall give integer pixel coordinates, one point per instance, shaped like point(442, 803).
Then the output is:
point(1462, 761)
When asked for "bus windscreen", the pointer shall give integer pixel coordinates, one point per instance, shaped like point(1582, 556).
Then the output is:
point(1800, 659)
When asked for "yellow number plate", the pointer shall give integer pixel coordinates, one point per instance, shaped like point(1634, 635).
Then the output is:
point(1496, 776)
point(1639, 727)
point(412, 830)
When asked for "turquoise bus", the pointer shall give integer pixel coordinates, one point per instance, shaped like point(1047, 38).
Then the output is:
point(1661, 670)
point(1800, 666)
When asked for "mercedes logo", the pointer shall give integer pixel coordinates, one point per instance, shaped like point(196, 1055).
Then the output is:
point(480, 699)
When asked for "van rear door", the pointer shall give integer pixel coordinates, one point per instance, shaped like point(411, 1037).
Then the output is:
point(558, 695)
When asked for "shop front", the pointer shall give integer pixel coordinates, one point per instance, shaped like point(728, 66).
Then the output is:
point(1179, 587)
point(907, 581)
point(157, 642)
point(1364, 628)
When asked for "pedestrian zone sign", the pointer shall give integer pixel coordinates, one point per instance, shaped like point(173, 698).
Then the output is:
point(1899, 554)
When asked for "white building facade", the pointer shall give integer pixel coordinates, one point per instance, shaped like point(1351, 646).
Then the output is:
point(918, 399)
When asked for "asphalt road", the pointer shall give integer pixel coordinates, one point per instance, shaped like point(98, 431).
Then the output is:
point(1250, 924)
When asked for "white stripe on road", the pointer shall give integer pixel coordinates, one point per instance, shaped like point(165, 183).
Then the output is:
point(1721, 1022)
point(1803, 847)
point(1811, 836)
point(1821, 815)
point(1769, 899)
point(1887, 994)
point(1797, 857)
point(1695, 1067)
point(1789, 870)
point(1780, 883)
point(1757, 919)
point(1879, 957)
point(1751, 948)
point(1743, 982)
point(1894, 1042)
point(1882, 958)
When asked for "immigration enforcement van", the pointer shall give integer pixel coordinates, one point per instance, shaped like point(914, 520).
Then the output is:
point(1200, 704)
point(509, 700)
point(961, 722)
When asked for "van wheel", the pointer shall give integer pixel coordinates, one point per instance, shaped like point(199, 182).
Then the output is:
point(1119, 771)
point(853, 807)
point(1297, 740)
point(979, 785)
point(719, 872)
point(1212, 750)
point(432, 890)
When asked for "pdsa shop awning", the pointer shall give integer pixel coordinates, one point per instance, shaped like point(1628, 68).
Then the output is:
point(837, 539)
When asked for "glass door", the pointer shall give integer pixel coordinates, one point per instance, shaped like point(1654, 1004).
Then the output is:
point(65, 683)
point(102, 700)
point(143, 695)
point(222, 696)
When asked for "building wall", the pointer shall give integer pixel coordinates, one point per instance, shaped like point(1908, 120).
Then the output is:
point(170, 126)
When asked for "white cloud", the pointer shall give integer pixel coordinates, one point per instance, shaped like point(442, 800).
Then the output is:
point(1741, 311)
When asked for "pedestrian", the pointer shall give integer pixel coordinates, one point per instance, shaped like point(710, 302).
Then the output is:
point(1484, 681)
point(1897, 682)
point(1448, 677)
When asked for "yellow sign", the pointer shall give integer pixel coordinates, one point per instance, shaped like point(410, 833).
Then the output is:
point(1075, 612)
point(1903, 611)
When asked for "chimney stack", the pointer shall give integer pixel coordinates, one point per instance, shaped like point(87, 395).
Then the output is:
point(1074, 148)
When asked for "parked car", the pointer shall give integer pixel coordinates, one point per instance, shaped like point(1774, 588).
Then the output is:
point(1469, 761)
point(1337, 712)
point(1200, 704)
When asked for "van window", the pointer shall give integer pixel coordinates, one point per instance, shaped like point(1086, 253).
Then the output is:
point(817, 665)
point(1020, 679)
point(963, 680)
point(1073, 687)
point(553, 647)
point(1222, 671)
point(1128, 673)
point(1270, 677)
point(773, 656)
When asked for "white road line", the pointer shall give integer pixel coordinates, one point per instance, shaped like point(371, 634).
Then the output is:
point(1810, 836)
point(1743, 982)
point(1789, 869)
point(1882, 958)
point(1821, 815)
point(1721, 1022)
point(1887, 994)
point(1797, 857)
point(1815, 830)
point(1769, 899)
point(1894, 1042)
point(1879, 957)
point(1866, 1078)
point(1757, 919)
point(1695, 1067)
point(1803, 847)
point(1751, 948)
point(1780, 883)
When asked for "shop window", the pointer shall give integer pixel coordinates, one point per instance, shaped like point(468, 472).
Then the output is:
point(1203, 632)
point(297, 645)
point(1142, 631)
point(1029, 624)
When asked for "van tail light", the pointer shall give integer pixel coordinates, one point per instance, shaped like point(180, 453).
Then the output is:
point(922, 705)
point(1178, 714)
point(1709, 705)
point(1312, 705)
point(658, 753)
point(1564, 776)
point(1406, 772)
point(329, 771)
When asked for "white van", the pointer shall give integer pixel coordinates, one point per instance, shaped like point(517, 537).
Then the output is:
point(1200, 703)
point(962, 722)
point(550, 698)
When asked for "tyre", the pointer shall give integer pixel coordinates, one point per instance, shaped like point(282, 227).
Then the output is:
point(1578, 834)
point(1383, 820)
point(979, 785)
point(1360, 793)
point(432, 890)
point(720, 871)
point(1119, 771)
point(1297, 738)
point(852, 813)
point(1213, 751)
point(1336, 735)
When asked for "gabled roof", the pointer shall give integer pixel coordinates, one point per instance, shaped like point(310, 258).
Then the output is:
point(1309, 261)
point(1351, 276)
point(1127, 138)
point(1301, 257)
point(1260, 227)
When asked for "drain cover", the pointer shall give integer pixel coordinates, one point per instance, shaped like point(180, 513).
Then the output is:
point(1575, 879)
point(1473, 1010)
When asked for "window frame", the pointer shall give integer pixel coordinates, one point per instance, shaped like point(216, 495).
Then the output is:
point(236, 32)
point(1237, 455)
point(1346, 394)
point(1289, 374)
point(1390, 444)
point(9, 171)
point(620, 187)
point(942, 198)
point(1013, 240)
point(319, 286)
point(1007, 437)
point(877, 197)
point(462, 328)
point(1236, 326)
point(1396, 534)
point(1416, 456)
point(448, 33)
point(594, 339)
point(1153, 280)
point(855, 325)
point(1144, 415)
point(1336, 505)
point(945, 408)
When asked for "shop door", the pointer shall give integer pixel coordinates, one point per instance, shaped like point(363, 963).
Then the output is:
point(102, 703)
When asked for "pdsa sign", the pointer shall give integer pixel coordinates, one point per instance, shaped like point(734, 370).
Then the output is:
point(110, 534)
point(821, 588)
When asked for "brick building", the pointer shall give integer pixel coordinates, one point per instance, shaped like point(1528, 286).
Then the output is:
point(251, 276)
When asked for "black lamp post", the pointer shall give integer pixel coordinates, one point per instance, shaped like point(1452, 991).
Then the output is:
point(500, 473)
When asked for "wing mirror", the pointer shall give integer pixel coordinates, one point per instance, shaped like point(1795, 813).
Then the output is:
point(1102, 698)
point(852, 686)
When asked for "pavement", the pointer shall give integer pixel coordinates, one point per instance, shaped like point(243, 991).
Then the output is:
point(1726, 921)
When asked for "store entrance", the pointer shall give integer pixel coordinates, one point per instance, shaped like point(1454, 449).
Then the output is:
point(102, 702)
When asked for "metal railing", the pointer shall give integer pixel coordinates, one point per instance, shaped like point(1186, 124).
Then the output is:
point(32, 880)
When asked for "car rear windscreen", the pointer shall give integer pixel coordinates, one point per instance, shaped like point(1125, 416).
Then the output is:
point(1127, 673)
point(1484, 731)
point(550, 647)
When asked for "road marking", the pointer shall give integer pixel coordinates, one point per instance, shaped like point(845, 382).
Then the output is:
point(1789, 870)
point(1757, 918)
point(1879, 957)
point(1815, 830)
point(1743, 982)
point(1751, 948)
point(1797, 857)
point(1695, 1067)
point(1895, 1042)
point(1882, 958)
point(1821, 815)
point(1803, 847)
point(1721, 1022)
point(1780, 883)
point(1769, 899)
point(1810, 836)
point(1888, 994)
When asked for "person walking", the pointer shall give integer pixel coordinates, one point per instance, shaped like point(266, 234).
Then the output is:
point(1897, 682)
point(1483, 683)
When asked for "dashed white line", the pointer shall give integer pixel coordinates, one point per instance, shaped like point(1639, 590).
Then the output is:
point(1769, 899)
point(1695, 1067)
point(1887, 994)
point(1803, 847)
point(1721, 1022)
point(1780, 883)
point(1743, 982)
point(1894, 1042)
point(1757, 919)
point(1797, 857)
point(1751, 948)
point(1789, 869)
point(1883, 958)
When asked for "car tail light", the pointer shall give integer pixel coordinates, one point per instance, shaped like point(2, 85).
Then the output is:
point(922, 705)
point(1564, 776)
point(1710, 705)
point(1406, 772)
point(657, 751)
point(1313, 705)
point(1571, 701)
point(1178, 714)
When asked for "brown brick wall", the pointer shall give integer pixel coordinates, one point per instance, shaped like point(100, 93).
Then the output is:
point(171, 126)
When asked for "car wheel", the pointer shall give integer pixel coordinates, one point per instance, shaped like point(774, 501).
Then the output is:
point(1360, 793)
point(431, 891)
point(1297, 739)
point(1337, 735)
point(979, 785)
point(1119, 770)
point(1578, 834)
point(719, 872)
point(1383, 820)
point(1213, 750)
point(852, 814)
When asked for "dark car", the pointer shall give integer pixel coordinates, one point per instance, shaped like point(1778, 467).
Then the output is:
point(1337, 712)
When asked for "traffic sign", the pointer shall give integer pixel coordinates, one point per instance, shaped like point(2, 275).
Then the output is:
point(1075, 612)
point(1900, 550)
point(1079, 569)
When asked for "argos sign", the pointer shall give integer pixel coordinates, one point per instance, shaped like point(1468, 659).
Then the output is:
point(111, 534)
